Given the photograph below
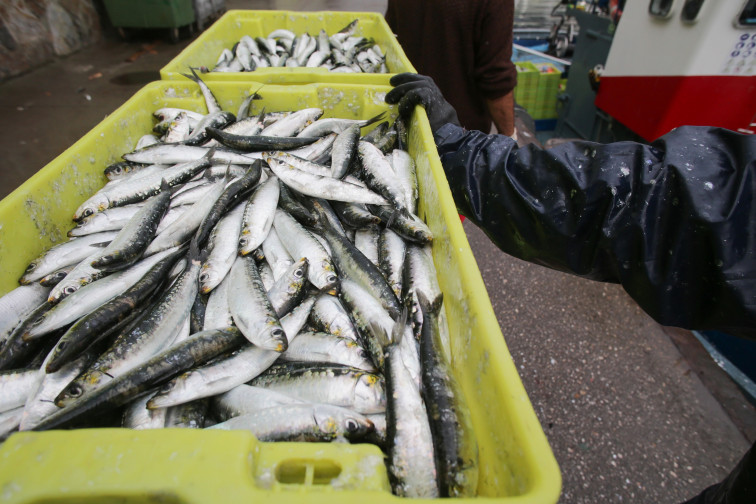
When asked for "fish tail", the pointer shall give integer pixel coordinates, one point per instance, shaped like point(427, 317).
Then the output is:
point(374, 119)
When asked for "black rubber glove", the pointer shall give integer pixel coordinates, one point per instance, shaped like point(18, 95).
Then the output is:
point(412, 89)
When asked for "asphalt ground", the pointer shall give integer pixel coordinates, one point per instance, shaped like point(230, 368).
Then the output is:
point(633, 412)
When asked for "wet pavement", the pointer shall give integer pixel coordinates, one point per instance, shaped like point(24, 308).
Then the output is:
point(633, 413)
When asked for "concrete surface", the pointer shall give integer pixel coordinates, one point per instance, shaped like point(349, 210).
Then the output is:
point(626, 413)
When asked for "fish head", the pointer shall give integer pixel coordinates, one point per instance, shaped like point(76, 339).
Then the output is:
point(96, 203)
point(300, 270)
point(247, 243)
point(356, 426)
point(63, 289)
point(272, 337)
point(326, 278)
point(26, 278)
point(297, 276)
point(82, 385)
point(208, 279)
point(421, 234)
point(173, 392)
point(342, 422)
point(370, 394)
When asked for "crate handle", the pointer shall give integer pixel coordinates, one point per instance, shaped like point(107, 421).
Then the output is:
point(307, 472)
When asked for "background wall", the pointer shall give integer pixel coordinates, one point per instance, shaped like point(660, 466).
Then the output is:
point(33, 32)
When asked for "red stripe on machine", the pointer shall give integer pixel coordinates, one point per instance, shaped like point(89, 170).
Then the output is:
point(653, 105)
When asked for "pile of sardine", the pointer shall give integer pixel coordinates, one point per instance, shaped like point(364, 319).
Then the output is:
point(263, 272)
point(340, 52)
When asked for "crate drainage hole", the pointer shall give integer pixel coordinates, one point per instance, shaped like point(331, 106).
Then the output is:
point(307, 472)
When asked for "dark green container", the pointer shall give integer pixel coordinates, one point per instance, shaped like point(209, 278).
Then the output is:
point(150, 13)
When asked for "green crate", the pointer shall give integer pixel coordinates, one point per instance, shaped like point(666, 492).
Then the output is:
point(527, 84)
point(549, 79)
point(229, 29)
point(150, 13)
point(516, 465)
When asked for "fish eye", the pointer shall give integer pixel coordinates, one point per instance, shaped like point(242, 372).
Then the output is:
point(62, 345)
point(242, 242)
point(204, 277)
point(277, 332)
point(351, 425)
point(69, 290)
point(30, 268)
point(299, 273)
point(75, 391)
point(87, 212)
point(332, 279)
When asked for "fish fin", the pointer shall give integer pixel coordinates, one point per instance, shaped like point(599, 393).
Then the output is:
point(432, 307)
point(349, 28)
point(194, 251)
point(401, 129)
point(100, 244)
point(193, 77)
point(400, 323)
point(391, 220)
point(164, 186)
point(261, 116)
point(256, 96)
point(373, 119)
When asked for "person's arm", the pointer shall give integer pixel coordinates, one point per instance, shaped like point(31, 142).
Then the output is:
point(495, 74)
point(674, 222)
point(502, 112)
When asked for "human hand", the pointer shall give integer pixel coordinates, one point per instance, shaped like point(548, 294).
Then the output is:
point(411, 89)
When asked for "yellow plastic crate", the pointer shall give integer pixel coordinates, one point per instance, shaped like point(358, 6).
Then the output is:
point(229, 29)
point(195, 466)
point(527, 84)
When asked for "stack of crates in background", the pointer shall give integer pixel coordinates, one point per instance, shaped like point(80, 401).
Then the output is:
point(193, 466)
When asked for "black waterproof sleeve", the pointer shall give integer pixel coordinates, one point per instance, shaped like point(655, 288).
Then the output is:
point(674, 222)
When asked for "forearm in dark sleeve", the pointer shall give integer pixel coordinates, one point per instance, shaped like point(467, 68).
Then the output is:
point(673, 222)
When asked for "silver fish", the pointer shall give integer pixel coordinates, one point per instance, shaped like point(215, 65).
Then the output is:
point(225, 374)
point(223, 247)
point(301, 422)
point(15, 386)
point(251, 308)
point(156, 330)
point(300, 243)
point(244, 399)
point(328, 348)
point(336, 385)
point(258, 215)
point(328, 315)
point(276, 254)
point(66, 254)
point(411, 461)
point(17, 304)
